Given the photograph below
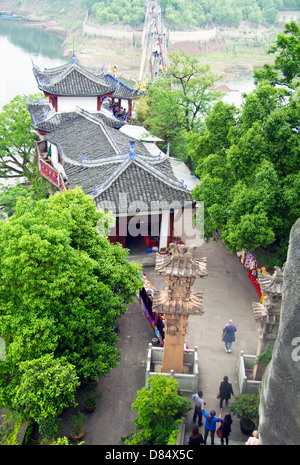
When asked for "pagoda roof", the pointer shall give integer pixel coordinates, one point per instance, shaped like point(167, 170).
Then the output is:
point(106, 163)
point(123, 91)
point(181, 262)
point(45, 118)
point(73, 79)
point(39, 110)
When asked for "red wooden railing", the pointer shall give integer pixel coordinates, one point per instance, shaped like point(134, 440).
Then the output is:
point(46, 170)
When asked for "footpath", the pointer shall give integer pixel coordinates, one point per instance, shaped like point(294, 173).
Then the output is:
point(228, 294)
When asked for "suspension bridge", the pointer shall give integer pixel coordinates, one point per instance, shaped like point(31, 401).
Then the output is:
point(154, 43)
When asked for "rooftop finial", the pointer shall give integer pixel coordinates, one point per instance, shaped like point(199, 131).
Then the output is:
point(73, 59)
point(131, 151)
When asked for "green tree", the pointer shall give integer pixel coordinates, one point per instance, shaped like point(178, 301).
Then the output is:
point(16, 140)
point(249, 172)
point(17, 161)
point(160, 410)
point(179, 101)
point(164, 118)
point(287, 60)
point(194, 85)
point(62, 286)
point(47, 386)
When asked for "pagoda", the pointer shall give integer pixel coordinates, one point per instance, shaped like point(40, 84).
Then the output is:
point(64, 84)
point(83, 144)
point(178, 300)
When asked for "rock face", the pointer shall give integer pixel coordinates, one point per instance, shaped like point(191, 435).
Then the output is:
point(279, 416)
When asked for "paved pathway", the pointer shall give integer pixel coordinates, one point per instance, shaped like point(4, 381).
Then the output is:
point(228, 293)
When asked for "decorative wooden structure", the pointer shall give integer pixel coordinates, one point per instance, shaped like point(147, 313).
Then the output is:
point(178, 300)
point(268, 312)
point(82, 144)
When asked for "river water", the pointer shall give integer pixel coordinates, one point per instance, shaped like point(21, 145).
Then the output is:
point(19, 46)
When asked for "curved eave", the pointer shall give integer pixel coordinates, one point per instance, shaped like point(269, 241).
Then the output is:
point(48, 93)
point(162, 177)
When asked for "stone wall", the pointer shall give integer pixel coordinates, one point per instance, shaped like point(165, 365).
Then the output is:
point(279, 416)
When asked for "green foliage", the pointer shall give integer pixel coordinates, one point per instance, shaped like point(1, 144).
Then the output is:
point(62, 287)
point(182, 13)
point(287, 59)
point(160, 410)
point(78, 420)
point(245, 406)
point(16, 140)
point(10, 439)
point(178, 101)
point(17, 159)
point(265, 356)
point(10, 194)
point(47, 386)
point(64, 441)
point(90, 395)
point(119, 11)
point(248, 164)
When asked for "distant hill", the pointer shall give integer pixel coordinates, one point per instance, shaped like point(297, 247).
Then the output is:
point(178, 14)
point(186, 14)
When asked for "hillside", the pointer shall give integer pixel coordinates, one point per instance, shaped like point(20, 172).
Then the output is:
point(233, 50)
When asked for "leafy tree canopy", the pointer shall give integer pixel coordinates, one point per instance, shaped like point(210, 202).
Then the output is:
point(178, 101)
point(248, 164)
point(160, 410)
point(286, 66)
point(47, 386)
point(17, 162)
point(185, 13)
point(62, 287)
point(17, 139)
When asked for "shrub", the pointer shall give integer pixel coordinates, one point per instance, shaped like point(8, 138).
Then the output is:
point(160, 410)
point(245, 406)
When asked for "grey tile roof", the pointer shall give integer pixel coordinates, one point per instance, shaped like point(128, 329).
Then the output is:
point(136, 188)
point(123, 90)
point(47, 119)
point(104, 163)
point(39, 111)
point(72, 79)
point(83, 134)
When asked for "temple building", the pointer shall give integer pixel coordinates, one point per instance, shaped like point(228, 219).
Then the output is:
point(85, 142)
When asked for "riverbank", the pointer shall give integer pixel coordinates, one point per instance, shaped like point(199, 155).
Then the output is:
point(229, 54)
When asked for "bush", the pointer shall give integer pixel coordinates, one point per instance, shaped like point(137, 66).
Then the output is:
point(160, 410)
point(245, 406)
point(265, 357)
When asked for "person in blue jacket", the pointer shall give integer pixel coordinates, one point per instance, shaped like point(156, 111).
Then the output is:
point(210, 424)
point(228, 335)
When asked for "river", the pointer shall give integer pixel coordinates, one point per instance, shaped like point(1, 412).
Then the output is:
point(19, 46)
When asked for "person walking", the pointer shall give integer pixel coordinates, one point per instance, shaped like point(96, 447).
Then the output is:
point(228, 335)
point(225, 391)
point(197, 398)
point(210, 424)
point(196, 438)
point(226, 429)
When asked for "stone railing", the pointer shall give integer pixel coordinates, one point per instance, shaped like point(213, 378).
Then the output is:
point(245, 369)
point(188, 382)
